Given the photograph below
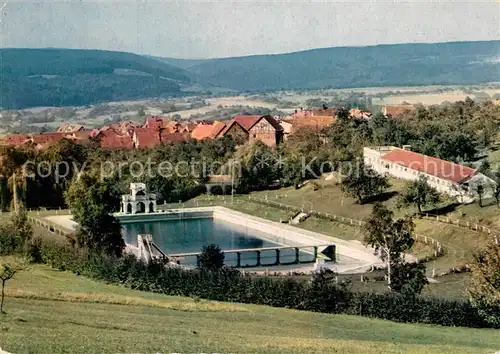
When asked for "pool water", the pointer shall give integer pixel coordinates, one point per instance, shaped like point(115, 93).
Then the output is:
point(190, 235)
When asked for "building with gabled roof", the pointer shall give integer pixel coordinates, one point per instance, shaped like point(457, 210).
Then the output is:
point(446, 177)
point(69, 128)
point(255, 128)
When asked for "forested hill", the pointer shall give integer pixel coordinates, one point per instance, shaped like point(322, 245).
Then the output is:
point(58, 77)
point(343, 67)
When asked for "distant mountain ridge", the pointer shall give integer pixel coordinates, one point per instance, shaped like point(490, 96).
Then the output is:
point(343, 67)
point(59, 77)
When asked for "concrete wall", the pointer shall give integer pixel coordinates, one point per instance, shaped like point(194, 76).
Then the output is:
point(178, 214)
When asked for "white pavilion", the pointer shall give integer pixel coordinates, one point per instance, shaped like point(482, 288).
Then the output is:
point(139, 200)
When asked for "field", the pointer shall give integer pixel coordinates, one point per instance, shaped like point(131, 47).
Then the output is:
point(49, 311)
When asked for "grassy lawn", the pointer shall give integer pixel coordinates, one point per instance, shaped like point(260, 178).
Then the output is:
point(58, 312)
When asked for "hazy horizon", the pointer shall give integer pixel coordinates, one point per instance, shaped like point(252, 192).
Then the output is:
point(207, 29)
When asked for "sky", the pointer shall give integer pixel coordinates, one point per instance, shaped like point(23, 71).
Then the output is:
point(223, 28)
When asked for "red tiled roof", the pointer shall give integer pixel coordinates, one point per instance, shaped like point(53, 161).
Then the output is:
point(315, 122)
point(146, 138)
point(15, 139)
point(115, 141)
point(430, 165)
point(248, 121)
point(47, 137)
point(173, 137)
point(149, 138)
point(218, 127)
point(204, 131)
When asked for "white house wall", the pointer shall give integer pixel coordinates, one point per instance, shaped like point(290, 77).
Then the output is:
point(374, 159)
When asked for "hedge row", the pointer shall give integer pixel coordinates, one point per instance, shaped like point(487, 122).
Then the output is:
point(319, 295)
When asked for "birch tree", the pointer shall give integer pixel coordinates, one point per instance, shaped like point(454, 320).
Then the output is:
point(390, 238)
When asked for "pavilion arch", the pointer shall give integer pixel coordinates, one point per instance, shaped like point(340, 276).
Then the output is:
point(141, 207)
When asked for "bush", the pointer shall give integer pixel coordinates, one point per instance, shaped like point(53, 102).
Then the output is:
point(211, 258)
point(217, 190)
point(228, 189)
point(227, 284)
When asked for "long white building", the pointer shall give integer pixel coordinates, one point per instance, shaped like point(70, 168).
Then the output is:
point(447, 177)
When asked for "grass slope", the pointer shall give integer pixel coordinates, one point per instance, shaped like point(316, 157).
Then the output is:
point(58, 312)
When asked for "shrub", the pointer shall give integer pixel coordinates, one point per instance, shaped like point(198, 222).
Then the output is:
point(217, 190)
point(322, 294)
point(211, 257)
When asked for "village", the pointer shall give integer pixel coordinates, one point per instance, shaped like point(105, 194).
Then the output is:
point(454, 180)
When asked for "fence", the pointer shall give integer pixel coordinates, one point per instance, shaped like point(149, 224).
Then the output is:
point(436, 245)
point(50, 226)
point(464, 224)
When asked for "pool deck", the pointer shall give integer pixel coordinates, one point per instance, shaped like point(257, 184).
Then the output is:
point(352, 256)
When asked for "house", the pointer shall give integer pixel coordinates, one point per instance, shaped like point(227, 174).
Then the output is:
point(449, 178)
point(315, 112)
point(392, 111)
point(124, 127)
point(144, 138)
point(154, 122)
point(287, 126)
point(359, 114)
point(110, 139)
point(316, 119)
point(15, 139)
point(255, 128)
point(69, 128)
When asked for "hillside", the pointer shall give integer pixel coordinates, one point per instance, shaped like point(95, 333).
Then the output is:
point(49, 311)
point(61, 77)
point(344, 67)
point(71, 77)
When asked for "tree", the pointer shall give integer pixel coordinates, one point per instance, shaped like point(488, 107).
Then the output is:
point(390, 238)
point(485, 167)
point(484, 287)
point(15, 236)
point(211, 258)
point(496, 186)
point(362, 182)
point(418, 193)
point(408, 278)
point(7, 271)
point(91, 202)
point(479, 189)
